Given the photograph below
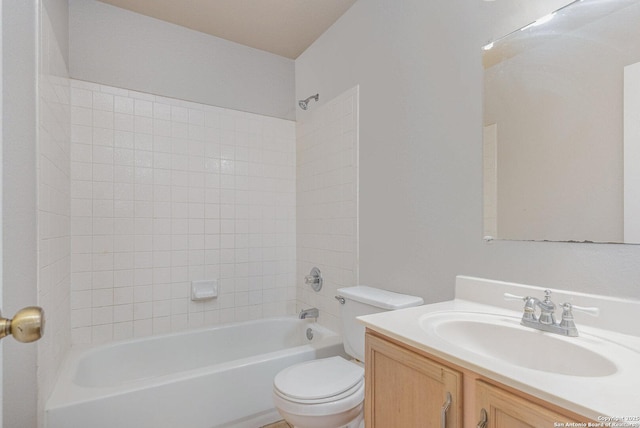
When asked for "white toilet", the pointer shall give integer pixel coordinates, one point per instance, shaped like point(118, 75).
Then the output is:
point(329, 392)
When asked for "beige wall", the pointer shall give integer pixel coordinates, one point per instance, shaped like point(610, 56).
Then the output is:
point(419, 68)
point(116, 47)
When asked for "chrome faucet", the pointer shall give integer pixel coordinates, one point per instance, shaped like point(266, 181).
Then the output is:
point(309, 313)
point(547, 309)
point(546, 321)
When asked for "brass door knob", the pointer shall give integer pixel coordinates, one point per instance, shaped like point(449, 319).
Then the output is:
point(26, 326)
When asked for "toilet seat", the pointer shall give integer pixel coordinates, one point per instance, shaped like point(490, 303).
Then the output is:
point(319, 381)
point(349, 392)
point(344, 405)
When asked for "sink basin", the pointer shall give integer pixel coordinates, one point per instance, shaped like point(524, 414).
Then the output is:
point(503, 338)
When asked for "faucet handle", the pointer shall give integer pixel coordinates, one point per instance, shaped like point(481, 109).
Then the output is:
point(567, 324)
point(529, 310)
point(509, 296)
point(310, 279)
point(593, 311)
point(314, 279)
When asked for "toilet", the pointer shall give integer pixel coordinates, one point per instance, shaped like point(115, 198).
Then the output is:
point(329, 392)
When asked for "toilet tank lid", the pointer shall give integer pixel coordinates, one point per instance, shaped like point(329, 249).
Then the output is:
point(380, 298)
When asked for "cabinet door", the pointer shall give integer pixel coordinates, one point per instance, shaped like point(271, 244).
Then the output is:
point(406, 389)
point(507, 410)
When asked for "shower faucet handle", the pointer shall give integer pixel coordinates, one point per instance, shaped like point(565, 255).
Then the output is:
point(311, 279)
point(314, 279)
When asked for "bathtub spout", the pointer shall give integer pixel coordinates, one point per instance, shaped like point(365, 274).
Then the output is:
point(309, 313)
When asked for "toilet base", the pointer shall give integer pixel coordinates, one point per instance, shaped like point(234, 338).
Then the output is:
point(359, 423)
point(353, 418)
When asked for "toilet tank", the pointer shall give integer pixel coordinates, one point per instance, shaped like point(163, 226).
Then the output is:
point(362, 300)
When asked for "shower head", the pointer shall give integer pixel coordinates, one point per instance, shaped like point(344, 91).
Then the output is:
point(304, 104)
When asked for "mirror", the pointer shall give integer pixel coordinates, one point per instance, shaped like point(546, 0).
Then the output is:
point(562, 127)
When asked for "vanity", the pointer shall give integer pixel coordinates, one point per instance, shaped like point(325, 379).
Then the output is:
point(469, 362)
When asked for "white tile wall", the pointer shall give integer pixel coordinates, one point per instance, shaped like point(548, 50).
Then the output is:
point(53, 163)
point(164, 192)
point(327, 198)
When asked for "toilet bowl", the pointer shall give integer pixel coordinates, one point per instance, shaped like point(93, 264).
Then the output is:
point(329, 392)
point(324, 393)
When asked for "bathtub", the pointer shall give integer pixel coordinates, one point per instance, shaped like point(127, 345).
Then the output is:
point(216, 377)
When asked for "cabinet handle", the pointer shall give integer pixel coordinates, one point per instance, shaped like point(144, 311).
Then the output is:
point(484, 419)
point(445, 409)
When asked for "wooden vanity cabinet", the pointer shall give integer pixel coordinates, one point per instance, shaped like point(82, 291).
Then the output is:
point(406, 387)
point(507, 410)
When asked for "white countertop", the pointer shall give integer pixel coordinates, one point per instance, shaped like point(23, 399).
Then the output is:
point(612, 396)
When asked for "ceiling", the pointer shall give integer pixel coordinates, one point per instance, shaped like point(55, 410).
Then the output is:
point(282, 27)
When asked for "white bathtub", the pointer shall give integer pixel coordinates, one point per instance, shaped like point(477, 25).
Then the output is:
point(216, 377)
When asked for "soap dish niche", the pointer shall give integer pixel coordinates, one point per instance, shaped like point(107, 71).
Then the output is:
point(204, 290)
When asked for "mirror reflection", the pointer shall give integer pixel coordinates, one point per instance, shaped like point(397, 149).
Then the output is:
point(562, 126)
